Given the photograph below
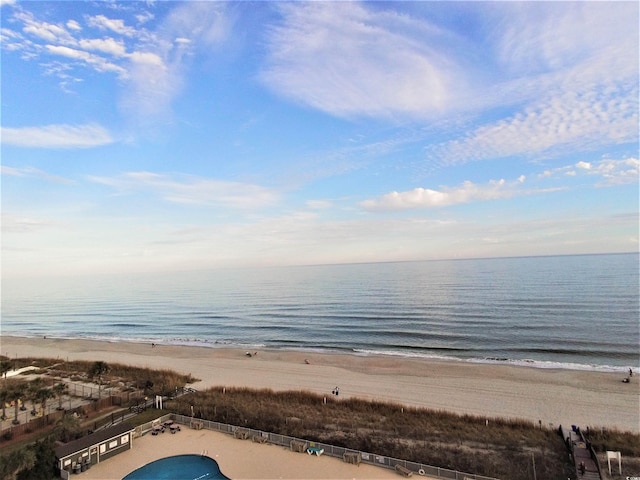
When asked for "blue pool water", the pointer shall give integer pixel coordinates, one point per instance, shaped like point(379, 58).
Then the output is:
point(179, 467)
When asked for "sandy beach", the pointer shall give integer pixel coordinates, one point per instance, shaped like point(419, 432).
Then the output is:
point(551, 396)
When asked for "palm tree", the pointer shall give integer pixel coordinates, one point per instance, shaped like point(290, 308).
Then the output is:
point(5, 366)
point(17, 390)
point(59, 389)
point(4, 397)
point(66, 428)
point(42, 395)
point(17, 461)
point(98, 369)
point(33, 392)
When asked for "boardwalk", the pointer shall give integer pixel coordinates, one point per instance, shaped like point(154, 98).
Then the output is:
point(585, 463)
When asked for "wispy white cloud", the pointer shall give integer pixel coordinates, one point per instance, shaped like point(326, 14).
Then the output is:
point(611, 172)
point(57, 136)
point(151, 65)
point(33, 172)
point(157, 71)
point(348, 59)
point(73, 25)
point(105, 45)
point(589, 119)
point(608, 172)
point(193, 190)
point(144, 17)
point(99, 63)
point(568, 72)
point(44, 30)
point(446, 196)
point(25, 224)
point(319, 204)
point(115, 25)
point(540, 37)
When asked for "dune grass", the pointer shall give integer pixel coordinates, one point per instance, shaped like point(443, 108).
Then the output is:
point(493, 447)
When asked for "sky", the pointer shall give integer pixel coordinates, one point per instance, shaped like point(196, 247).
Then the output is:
point(160, 136)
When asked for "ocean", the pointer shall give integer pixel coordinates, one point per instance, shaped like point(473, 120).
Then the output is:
point(571, 312)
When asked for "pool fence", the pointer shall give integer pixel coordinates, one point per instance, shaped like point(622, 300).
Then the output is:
point(346, 454)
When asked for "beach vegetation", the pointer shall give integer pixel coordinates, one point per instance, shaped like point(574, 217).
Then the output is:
point(16, 391)
point(12, 464)
point(35, 461)
point(4, 398)
point(497, 447)
point(603, 439)
point(59, 390)
point(5, 367)
point(67, 428)
point(98, 369)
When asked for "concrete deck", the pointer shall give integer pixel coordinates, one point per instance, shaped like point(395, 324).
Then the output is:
point(238, 459)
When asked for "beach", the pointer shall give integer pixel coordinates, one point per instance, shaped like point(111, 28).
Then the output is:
point(549, 396)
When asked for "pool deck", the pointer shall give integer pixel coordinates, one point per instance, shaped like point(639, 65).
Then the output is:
point(238, 459)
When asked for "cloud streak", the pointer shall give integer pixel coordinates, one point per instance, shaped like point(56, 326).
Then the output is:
point(349, 60)
point(31, 172)
point(193, 190)
point(57, 136)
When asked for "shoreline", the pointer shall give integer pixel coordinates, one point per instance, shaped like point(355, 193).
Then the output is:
point(541, 395)
point(194, 343)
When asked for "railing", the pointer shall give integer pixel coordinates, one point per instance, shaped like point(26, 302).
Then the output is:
point(331, 450)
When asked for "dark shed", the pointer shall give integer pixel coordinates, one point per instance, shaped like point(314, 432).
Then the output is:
point(80, 454)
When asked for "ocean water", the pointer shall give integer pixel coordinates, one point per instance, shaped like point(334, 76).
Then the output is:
point(573, 312)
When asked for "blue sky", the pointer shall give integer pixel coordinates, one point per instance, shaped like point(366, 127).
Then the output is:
point(155, 136)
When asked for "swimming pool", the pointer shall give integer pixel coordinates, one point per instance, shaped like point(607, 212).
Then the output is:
point(179, 467)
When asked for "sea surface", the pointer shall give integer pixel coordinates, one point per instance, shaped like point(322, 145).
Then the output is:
point(572, 312)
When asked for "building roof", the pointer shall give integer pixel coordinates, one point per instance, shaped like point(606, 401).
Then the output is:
point(92, 440)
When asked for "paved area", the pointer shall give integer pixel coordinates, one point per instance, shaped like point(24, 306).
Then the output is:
point(238, 459)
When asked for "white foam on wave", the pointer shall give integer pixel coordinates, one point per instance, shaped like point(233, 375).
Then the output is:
point(223, 343)
point(502, 361)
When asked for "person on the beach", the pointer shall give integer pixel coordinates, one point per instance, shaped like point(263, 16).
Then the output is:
point(630, 373)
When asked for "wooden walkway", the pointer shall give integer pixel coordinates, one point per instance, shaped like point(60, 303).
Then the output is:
point(585, 464)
